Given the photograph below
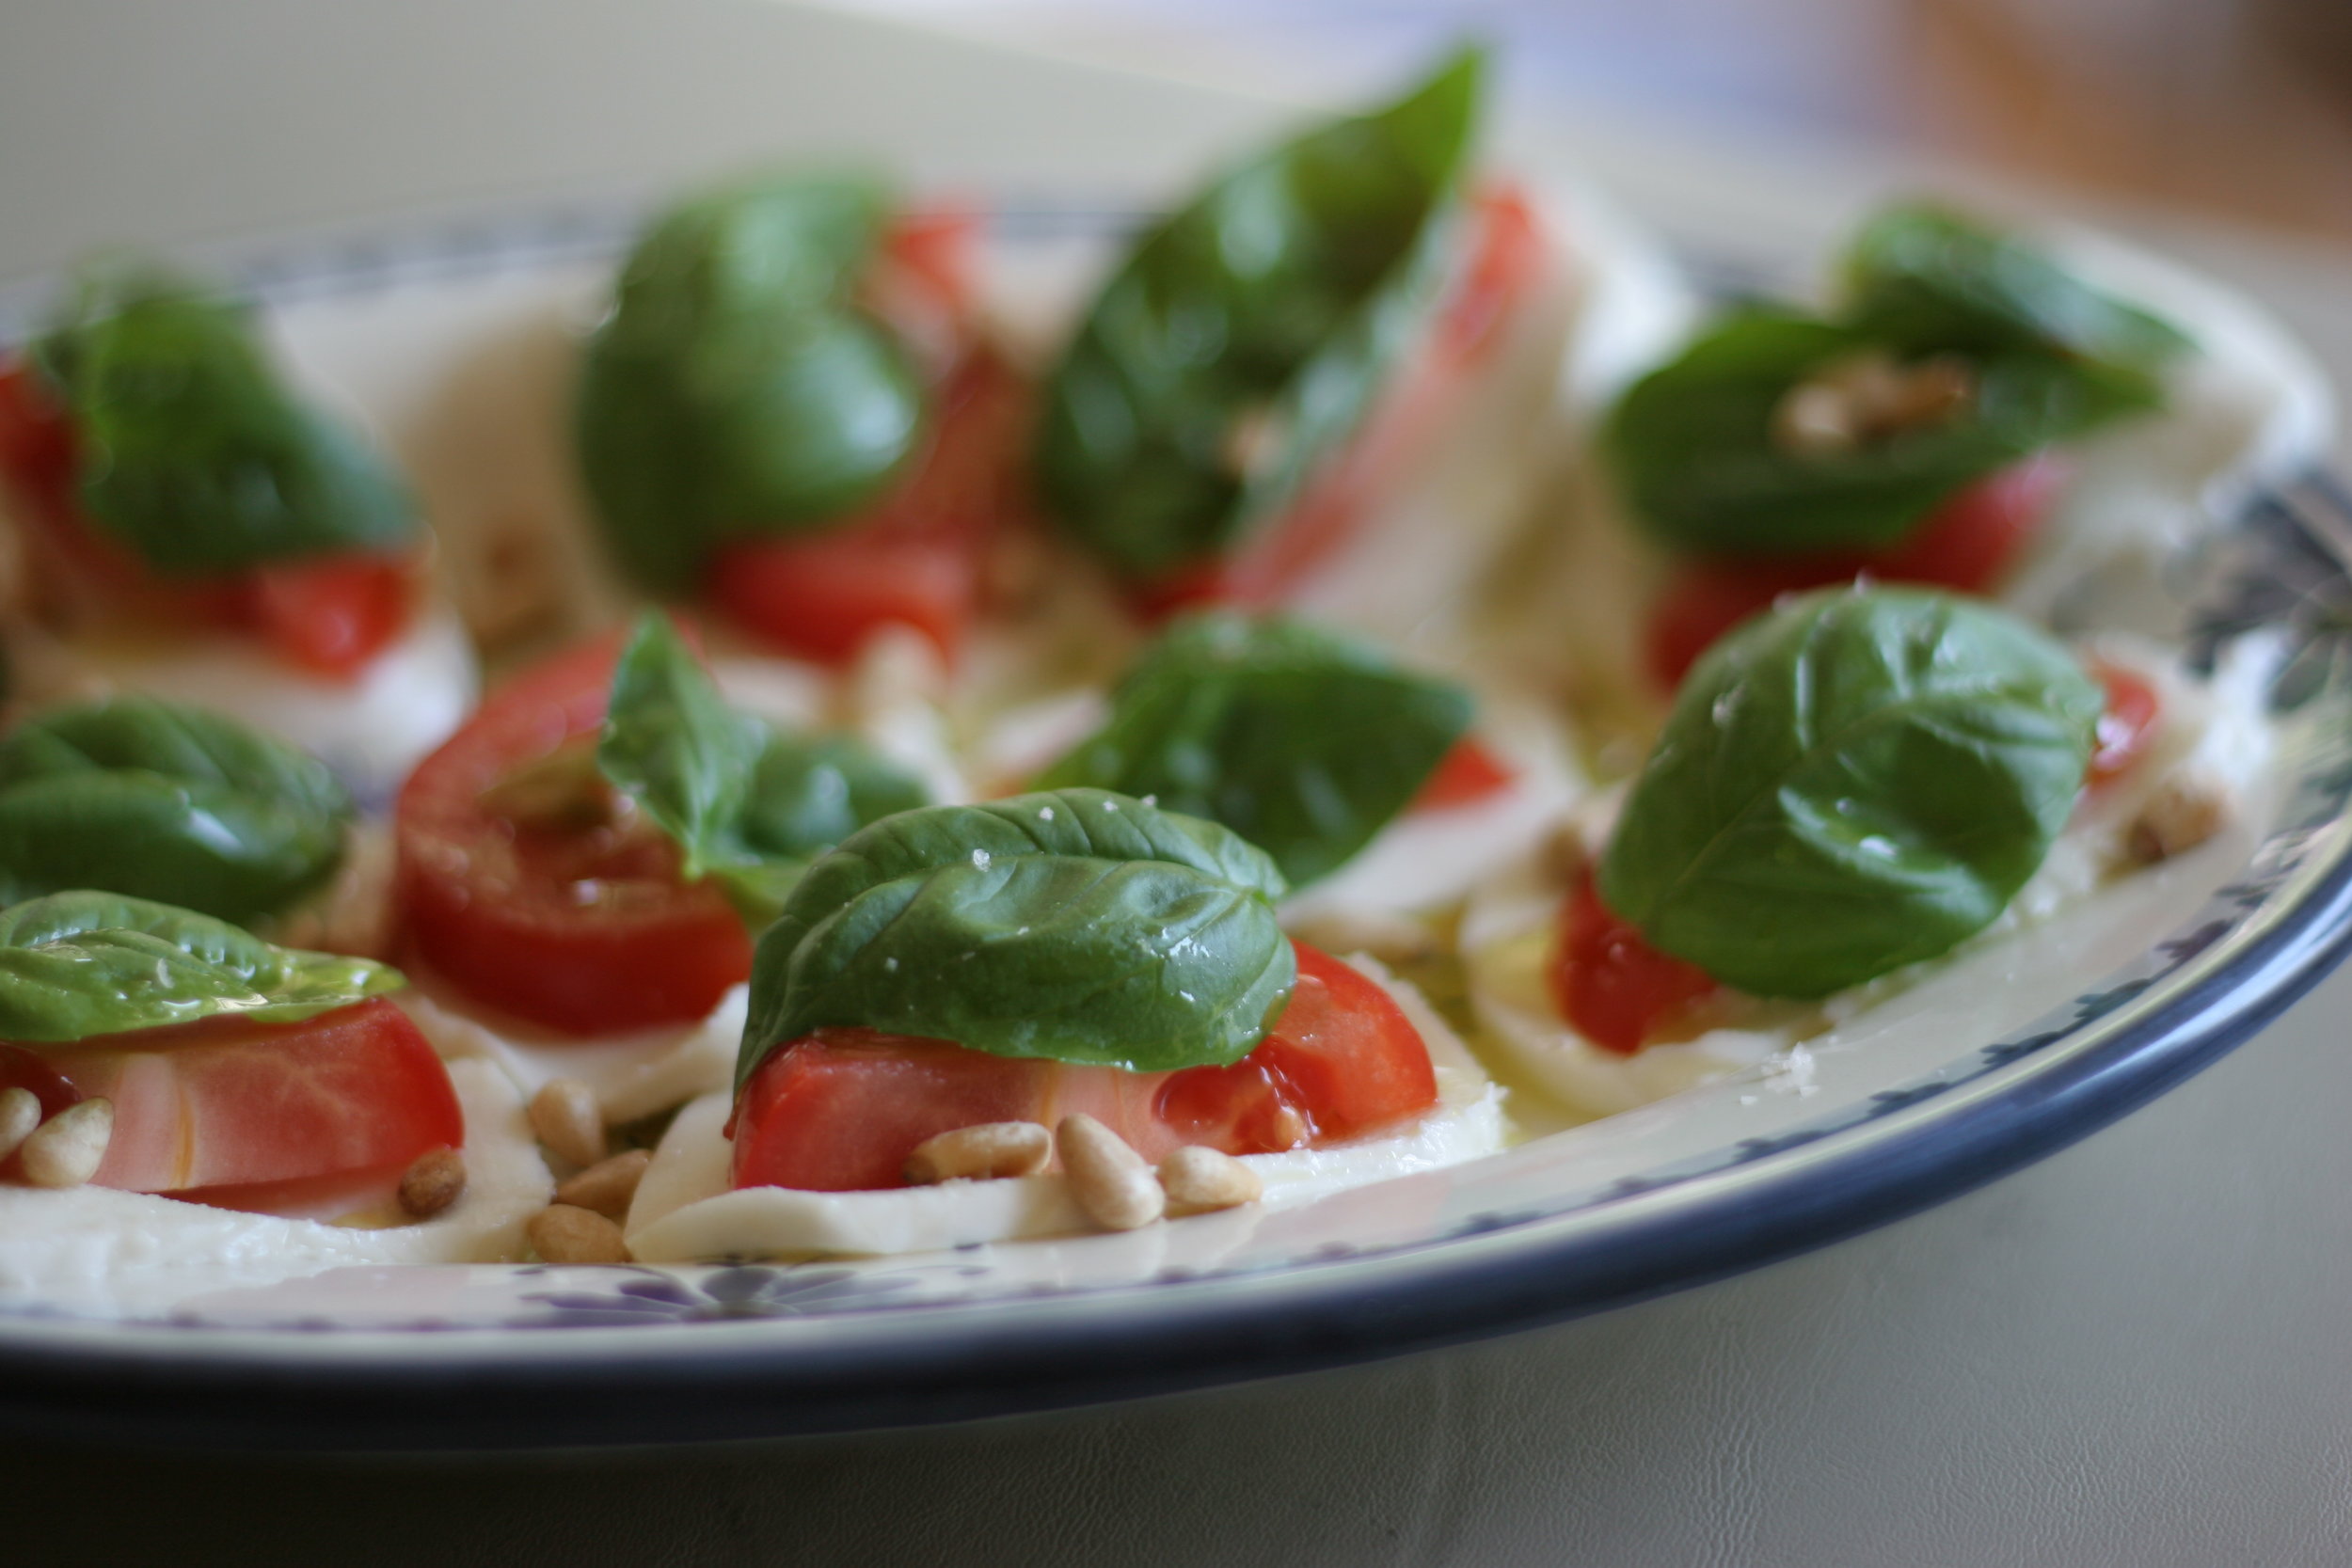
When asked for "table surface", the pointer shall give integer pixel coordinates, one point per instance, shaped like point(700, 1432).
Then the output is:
point(2130, 1354)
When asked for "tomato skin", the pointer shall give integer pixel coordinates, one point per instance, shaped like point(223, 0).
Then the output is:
point(1611, 985)
point(841, 1109)
point(1466, 775)
point(330, 614)
point(2127, 727)
point(1968, 544)
point(274, 1118)
point(1508, 258)
point(584, 930)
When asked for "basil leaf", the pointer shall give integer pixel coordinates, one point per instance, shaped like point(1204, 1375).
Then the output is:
point(1692, 444)
point(738, 389)
point(742, 801)
point(191, 449)
point(1273, 303)
point(1302, 742)
point(1075, 924)
point(73, 965)
point(164, 802)
point(1925, 280)
point(1854, 782)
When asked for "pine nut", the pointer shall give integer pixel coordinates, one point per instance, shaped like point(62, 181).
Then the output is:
point(1197, 1179)
point(1813, 420)
point(608, 1186)
point(67, 1149)
point(562, 1233)
point(2183, 813)
point(986, 1153)
point(1110, 1180)
point(433, 1182)
point(19, 1113)
point(565, 1116)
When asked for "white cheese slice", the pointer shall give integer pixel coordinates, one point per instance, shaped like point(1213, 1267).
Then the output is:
point(370, 729)
point(94, 1250)
point(684, 1209)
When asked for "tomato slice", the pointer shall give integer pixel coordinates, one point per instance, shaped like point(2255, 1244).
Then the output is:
point(2126, 729)
point(1607, 980)
point(578, 923)
point(1508, 256)
point(840, 1110)
point(1467, 774)
point(319, 1115)
point(330, 615)
point(1968, 544)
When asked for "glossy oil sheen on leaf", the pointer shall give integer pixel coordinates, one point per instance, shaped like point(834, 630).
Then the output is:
point(1691, 443)
point(740, 388)
point(1271, 305)
point(742, 800)
point(1303, 742)
point(76, 965)
point(1075, 924)
point(193, 452)
point(1857, 782)
point(165, 802)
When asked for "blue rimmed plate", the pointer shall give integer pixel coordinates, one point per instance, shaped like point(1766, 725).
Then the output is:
point(2134, 996)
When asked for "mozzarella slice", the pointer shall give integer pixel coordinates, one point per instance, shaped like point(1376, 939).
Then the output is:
point(684, 1209)
point(370, 729)
point(94, 1250)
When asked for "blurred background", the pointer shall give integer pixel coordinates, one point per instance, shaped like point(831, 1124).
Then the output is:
point(2240, 108)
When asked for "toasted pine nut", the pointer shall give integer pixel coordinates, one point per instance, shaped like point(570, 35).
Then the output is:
point(985, 1152)
point(1197, 1179)
point(608, 1186)
point(562, 1233)
point(565, 1116)
point(19, 1113)
point(433, 1182)
point(1814, 420)
point(2185, 811)
point(1110, 1180)
point(67, 1149)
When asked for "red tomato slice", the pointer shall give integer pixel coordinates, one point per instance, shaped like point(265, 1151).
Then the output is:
point(1468, 774)
point(2126, 729)
point(271, 1118)
point(1610, 983)
point(330, 615)
point(841, 1110)
point(584, 926)
point(1968, 544)
point(1508, 258)
point(916, 559)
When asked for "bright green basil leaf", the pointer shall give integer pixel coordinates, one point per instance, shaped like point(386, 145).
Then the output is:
point(738, 389)
point(192, 450)
point(1262, 316)
point(1924, 281)
point(1693, 444)
point(168, 803)
point(1302, 742)
point(1854, 782)
point(73, 965)
point(1075, 924)
point(743, 802)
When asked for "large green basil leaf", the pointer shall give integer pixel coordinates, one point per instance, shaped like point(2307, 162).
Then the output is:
point(1926, 280)
point(1854, 782)
point(1304, 743)
point(1074, 923)
point(192, 451)
point(73, 965)
point(738, 389)
point(1267, 309)
point(743, 802)
point(168, 803)
point(1692, 446)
